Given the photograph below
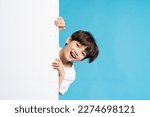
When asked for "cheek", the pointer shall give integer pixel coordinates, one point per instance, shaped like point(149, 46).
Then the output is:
point(69, 46)
point(81, 58)
point(67, 51)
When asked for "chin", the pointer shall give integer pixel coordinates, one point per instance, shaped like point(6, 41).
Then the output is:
point(68, 59)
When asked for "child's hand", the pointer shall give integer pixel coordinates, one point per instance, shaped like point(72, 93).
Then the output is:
point(58, 65)
point(60, 23)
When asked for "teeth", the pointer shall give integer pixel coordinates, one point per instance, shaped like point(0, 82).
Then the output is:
point(73, 55)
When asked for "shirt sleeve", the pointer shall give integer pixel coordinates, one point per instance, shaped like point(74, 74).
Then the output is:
point(68, 79)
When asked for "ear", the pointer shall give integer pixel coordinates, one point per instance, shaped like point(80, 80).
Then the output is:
point(68, 40)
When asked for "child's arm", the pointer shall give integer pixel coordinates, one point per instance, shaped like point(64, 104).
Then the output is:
point(60, 23)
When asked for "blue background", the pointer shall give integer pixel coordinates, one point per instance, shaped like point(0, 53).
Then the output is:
point(122, 31)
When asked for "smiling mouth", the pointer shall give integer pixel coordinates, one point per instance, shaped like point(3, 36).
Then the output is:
point(73, 55)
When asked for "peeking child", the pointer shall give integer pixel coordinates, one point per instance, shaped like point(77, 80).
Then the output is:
point(79, 46)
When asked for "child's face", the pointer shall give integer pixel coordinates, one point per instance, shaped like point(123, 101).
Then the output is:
point(74, 51)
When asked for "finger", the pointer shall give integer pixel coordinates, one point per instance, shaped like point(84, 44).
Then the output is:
point(60, 21)
point(57, 64)
point(54, 63)
point(60, 24)
point(58, 60)
point(57, 68)
point(62, 28)
point(60, 18)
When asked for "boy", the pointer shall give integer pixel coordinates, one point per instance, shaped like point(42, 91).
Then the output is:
point(81, 45)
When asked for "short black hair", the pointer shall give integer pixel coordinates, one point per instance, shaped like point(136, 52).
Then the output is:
point(86, 38)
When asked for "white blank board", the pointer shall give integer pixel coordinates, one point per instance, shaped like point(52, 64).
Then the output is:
point(28, 45)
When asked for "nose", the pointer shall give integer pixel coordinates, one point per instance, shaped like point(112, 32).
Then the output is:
point(78, 53)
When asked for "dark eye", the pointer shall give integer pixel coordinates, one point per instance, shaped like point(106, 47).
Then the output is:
point(77, 45)
point(84, 53)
